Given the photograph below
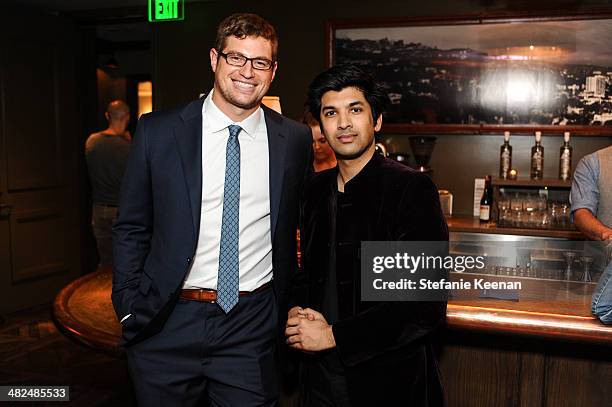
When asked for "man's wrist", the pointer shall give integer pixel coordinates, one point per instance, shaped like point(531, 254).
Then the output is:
point(330, 335)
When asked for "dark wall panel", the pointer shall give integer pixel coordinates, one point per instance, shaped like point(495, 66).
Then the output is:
point(32, 144)
point(39, 134)
point(37, 248)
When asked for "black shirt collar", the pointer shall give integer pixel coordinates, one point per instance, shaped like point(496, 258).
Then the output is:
point(367, 172)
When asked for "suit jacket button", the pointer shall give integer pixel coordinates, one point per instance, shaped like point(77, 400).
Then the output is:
point(188, 260)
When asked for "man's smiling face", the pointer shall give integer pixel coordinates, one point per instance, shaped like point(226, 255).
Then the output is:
point(244, 87)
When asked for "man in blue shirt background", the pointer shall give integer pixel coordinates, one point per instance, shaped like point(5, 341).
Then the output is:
point(591, 200)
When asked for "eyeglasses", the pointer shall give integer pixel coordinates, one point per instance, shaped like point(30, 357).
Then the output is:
point(236, 59)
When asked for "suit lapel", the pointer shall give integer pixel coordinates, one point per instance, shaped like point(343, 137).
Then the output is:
point(188, 136)
point(277, 148)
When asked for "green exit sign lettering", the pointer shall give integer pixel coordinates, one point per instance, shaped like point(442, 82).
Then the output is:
point(166, 10)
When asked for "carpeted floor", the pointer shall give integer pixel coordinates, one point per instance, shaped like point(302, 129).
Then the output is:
point(34, 352)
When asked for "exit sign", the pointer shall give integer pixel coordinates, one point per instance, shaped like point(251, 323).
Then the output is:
point(166, 10)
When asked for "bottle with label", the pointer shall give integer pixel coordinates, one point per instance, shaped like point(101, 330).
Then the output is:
point(486, 201)
point(537, 157)
point(565, 158)
point(505, 157)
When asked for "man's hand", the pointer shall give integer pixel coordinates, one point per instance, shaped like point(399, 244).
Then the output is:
point(295, 311)
point(305, 313)
point(314, 315)
point(309, 331)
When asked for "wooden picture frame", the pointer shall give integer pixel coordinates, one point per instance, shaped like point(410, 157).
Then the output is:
point(484, 75)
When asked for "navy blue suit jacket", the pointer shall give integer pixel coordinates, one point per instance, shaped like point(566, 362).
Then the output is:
point(156, 232)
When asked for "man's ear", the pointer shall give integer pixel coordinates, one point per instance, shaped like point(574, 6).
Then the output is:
point(378, 124)
point(214, 58)
point(274, 71)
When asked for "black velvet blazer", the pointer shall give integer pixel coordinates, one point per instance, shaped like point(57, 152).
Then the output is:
point(384, 346)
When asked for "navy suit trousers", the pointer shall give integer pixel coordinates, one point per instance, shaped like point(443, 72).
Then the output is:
point(204, 357)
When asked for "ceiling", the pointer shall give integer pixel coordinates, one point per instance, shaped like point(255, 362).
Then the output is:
point(81, 5)
point(114, 20)
point(75, 5)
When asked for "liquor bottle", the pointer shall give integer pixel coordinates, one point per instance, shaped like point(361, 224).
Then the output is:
point(505, 157)
point(565, 158)
point(486, 201)
point(537, 157)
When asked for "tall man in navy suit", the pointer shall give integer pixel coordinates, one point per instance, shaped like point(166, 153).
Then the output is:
point(204, 243)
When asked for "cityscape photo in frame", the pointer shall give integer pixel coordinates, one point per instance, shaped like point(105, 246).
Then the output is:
point(486, 75)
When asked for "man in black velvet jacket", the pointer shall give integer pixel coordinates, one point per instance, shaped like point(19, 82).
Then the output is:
point(359, 353)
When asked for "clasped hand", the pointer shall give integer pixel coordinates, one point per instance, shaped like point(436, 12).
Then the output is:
point(307, 330)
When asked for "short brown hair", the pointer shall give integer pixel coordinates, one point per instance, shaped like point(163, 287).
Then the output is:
point(309, 119)
point(242, 25)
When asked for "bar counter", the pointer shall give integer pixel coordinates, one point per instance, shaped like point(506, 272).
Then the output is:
point(533, 352)
point(567, 321)
point(83, 310)
point(564, 316)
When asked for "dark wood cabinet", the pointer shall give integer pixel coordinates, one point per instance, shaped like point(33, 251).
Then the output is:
point(498, 370)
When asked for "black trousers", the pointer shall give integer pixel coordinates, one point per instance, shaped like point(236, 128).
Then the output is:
point(324, 382)
point(205, 357)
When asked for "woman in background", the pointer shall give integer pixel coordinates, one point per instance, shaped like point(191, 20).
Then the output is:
point(324, 156)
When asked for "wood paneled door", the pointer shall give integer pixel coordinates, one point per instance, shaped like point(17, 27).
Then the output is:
point(39, 143)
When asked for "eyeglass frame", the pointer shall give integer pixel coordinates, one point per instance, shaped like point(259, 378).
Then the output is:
point(247, 59)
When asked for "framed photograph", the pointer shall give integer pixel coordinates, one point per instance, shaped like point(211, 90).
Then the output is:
point(486, 75)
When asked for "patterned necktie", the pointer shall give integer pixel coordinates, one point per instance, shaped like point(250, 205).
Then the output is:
point(227, 284)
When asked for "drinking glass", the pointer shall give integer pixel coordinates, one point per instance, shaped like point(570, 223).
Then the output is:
point(516, 206)
point(503, 210)
point(530, 206)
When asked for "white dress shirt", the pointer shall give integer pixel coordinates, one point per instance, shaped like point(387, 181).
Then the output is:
point(255, 242)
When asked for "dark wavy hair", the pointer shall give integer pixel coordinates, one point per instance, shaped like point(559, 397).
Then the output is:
point(243, 25)
point(343, 76)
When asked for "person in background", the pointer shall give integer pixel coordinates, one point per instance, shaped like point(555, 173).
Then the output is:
point(359, 353)
point(204, 245)
point(106, 154)
point(324, 156)
point(591, 209)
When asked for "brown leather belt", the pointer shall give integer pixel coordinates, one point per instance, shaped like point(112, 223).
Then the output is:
point(206, 295)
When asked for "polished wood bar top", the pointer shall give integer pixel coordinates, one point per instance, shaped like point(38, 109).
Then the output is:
point(83, 310)
point(536, 324)
point(463, 223)
point(546, 309)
